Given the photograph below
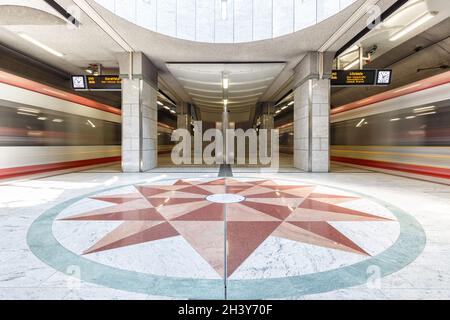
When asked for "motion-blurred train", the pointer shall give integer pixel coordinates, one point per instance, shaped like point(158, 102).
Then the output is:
point(402, 130)
point(45, 129)
point(405, 130)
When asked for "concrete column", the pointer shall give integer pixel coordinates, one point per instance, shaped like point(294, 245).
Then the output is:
point(312, 113)
point(139, 113)
point(268, 122)
point(227, 152)
point(267, 116)
point(183, 116)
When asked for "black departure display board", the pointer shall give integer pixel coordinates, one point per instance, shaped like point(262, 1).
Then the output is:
point(97, 83)
point(348, 78)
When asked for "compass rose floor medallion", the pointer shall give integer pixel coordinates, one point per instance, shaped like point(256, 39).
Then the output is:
point(204, 231)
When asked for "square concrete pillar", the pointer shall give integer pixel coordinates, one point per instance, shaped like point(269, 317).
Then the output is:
point(267, 121)
point(139, 114)
point(312, 116)
point(184, 121)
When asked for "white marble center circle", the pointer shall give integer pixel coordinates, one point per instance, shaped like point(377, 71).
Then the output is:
point(225, 198)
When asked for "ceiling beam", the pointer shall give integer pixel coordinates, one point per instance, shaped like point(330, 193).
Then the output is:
point(103, 24)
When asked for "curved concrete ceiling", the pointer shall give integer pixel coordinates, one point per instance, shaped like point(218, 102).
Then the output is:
point(21, 15)
point(90, 44)
point(225, 21)
point(247, 82)
point(289, 49)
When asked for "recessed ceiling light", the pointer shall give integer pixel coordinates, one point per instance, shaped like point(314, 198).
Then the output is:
point(40, 45)
point(225, 83)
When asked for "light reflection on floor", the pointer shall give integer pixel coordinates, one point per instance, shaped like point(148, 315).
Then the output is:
point(333, 228)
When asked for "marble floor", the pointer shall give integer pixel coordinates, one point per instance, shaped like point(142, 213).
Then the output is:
point(185, 233)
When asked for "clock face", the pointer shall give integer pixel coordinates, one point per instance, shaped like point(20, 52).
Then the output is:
point(384, 77)
point(78, 82)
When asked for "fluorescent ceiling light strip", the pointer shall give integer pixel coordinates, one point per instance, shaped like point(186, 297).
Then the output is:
point(413, 25)
point(426, 114)
point(87, 8)
point(29, 110)
point(40, 44)
point(360, 123)
point(91, 123)
point(27, 114)
point(429, 108)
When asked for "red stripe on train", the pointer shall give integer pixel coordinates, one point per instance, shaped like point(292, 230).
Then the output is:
point(410, 168)
point(42, 168)
point(34, 86)
point(417, 86)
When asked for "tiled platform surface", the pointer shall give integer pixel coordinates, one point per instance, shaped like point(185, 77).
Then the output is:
point(276, 257)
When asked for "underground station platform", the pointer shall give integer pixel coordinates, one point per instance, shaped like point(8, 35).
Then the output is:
point(225, 150)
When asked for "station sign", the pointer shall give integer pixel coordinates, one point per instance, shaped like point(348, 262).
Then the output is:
point(97, 83)
point(349, 78)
